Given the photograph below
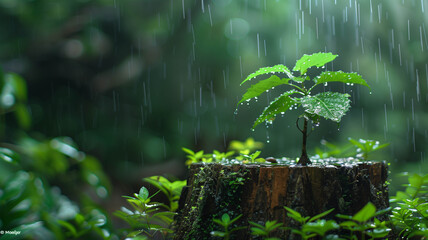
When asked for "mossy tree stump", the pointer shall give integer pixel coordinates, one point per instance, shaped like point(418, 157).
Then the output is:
point(260, 192)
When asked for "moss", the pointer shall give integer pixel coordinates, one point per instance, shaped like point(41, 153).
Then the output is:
point(214, 193)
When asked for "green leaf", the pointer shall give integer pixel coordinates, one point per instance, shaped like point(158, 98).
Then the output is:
point(256, 224)
point(263, 86)
point(330, 105)
point(18, 86)
point(9, 156)
point(320, 227)
point(269, 70)
point(188, 151)
point(316, 59)
point(379, 232)
point(219, 222)
point(356, 143)
point(235, 219)
point(225, 218)
point(365, 213)
point(272, 225)
point(295, 213)
point(69, 226)
point(323, 214)
point(423, 209)
point(144, 193)
point(218, 234)
point(339, 76)
point(22, 115)
point(258, 232)
point(348, 224)
point(280, 105)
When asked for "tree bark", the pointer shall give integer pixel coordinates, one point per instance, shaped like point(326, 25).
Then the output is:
point(260, 192)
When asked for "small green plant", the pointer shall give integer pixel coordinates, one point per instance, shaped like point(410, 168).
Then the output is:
point(171, 190)
point(195, 157)
point(410, 216)
point(225, 222)
point(250, 158)
point(311, 226)
point(355, 148)
point(365, 147)
point(329, 105)
point(266, 230)
point(147, 218)
point(219, 156)
point(361, 223)
point(245, 147)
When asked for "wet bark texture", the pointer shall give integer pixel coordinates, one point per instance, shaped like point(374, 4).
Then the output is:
point(260, 192)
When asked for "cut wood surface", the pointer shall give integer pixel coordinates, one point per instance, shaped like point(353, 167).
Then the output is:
point(260, 191)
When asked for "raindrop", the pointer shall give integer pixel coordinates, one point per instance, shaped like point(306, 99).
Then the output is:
point(264, 42)
point(184, 12)
point(209, 12)
point(316, 24)
point(322, 9)
point(258, 45)
point(371, 11)
point(422, 42)
point(408, 29)
point(240, 64)
point(399, 53)
point(418, 92)
point(379, 10)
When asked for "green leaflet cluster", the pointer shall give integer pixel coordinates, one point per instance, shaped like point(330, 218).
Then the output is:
point(329, 105)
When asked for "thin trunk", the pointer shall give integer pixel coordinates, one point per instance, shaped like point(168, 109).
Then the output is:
point(304, 159)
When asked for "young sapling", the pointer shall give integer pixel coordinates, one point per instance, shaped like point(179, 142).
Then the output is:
point(329, 105)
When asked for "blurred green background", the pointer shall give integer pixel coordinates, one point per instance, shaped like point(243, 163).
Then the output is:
point(134, 81)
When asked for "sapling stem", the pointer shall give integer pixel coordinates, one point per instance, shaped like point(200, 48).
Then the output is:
point(304, 159)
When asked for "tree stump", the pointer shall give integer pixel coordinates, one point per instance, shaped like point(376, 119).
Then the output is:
point(260, 191)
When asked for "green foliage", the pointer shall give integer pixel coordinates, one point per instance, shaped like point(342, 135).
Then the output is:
point(33, 172)
point(150, 218)
point(195, 157)
point(250, 158)
point(146, 217)
point(339, 76)
point(360, 223)
point(13, 99)
point(280, 105)
point(268, 70)
point(218, 156)
point(171, 190)
point(365, 147)
point(225, 222)
point(357, 226)
point(311, 226)
point(314, 60)
point(242, 150)
point(360, 149)
point(261, 87)
point(410, 214)
point(266, 230)
point(245, 147)
point(328, 105)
